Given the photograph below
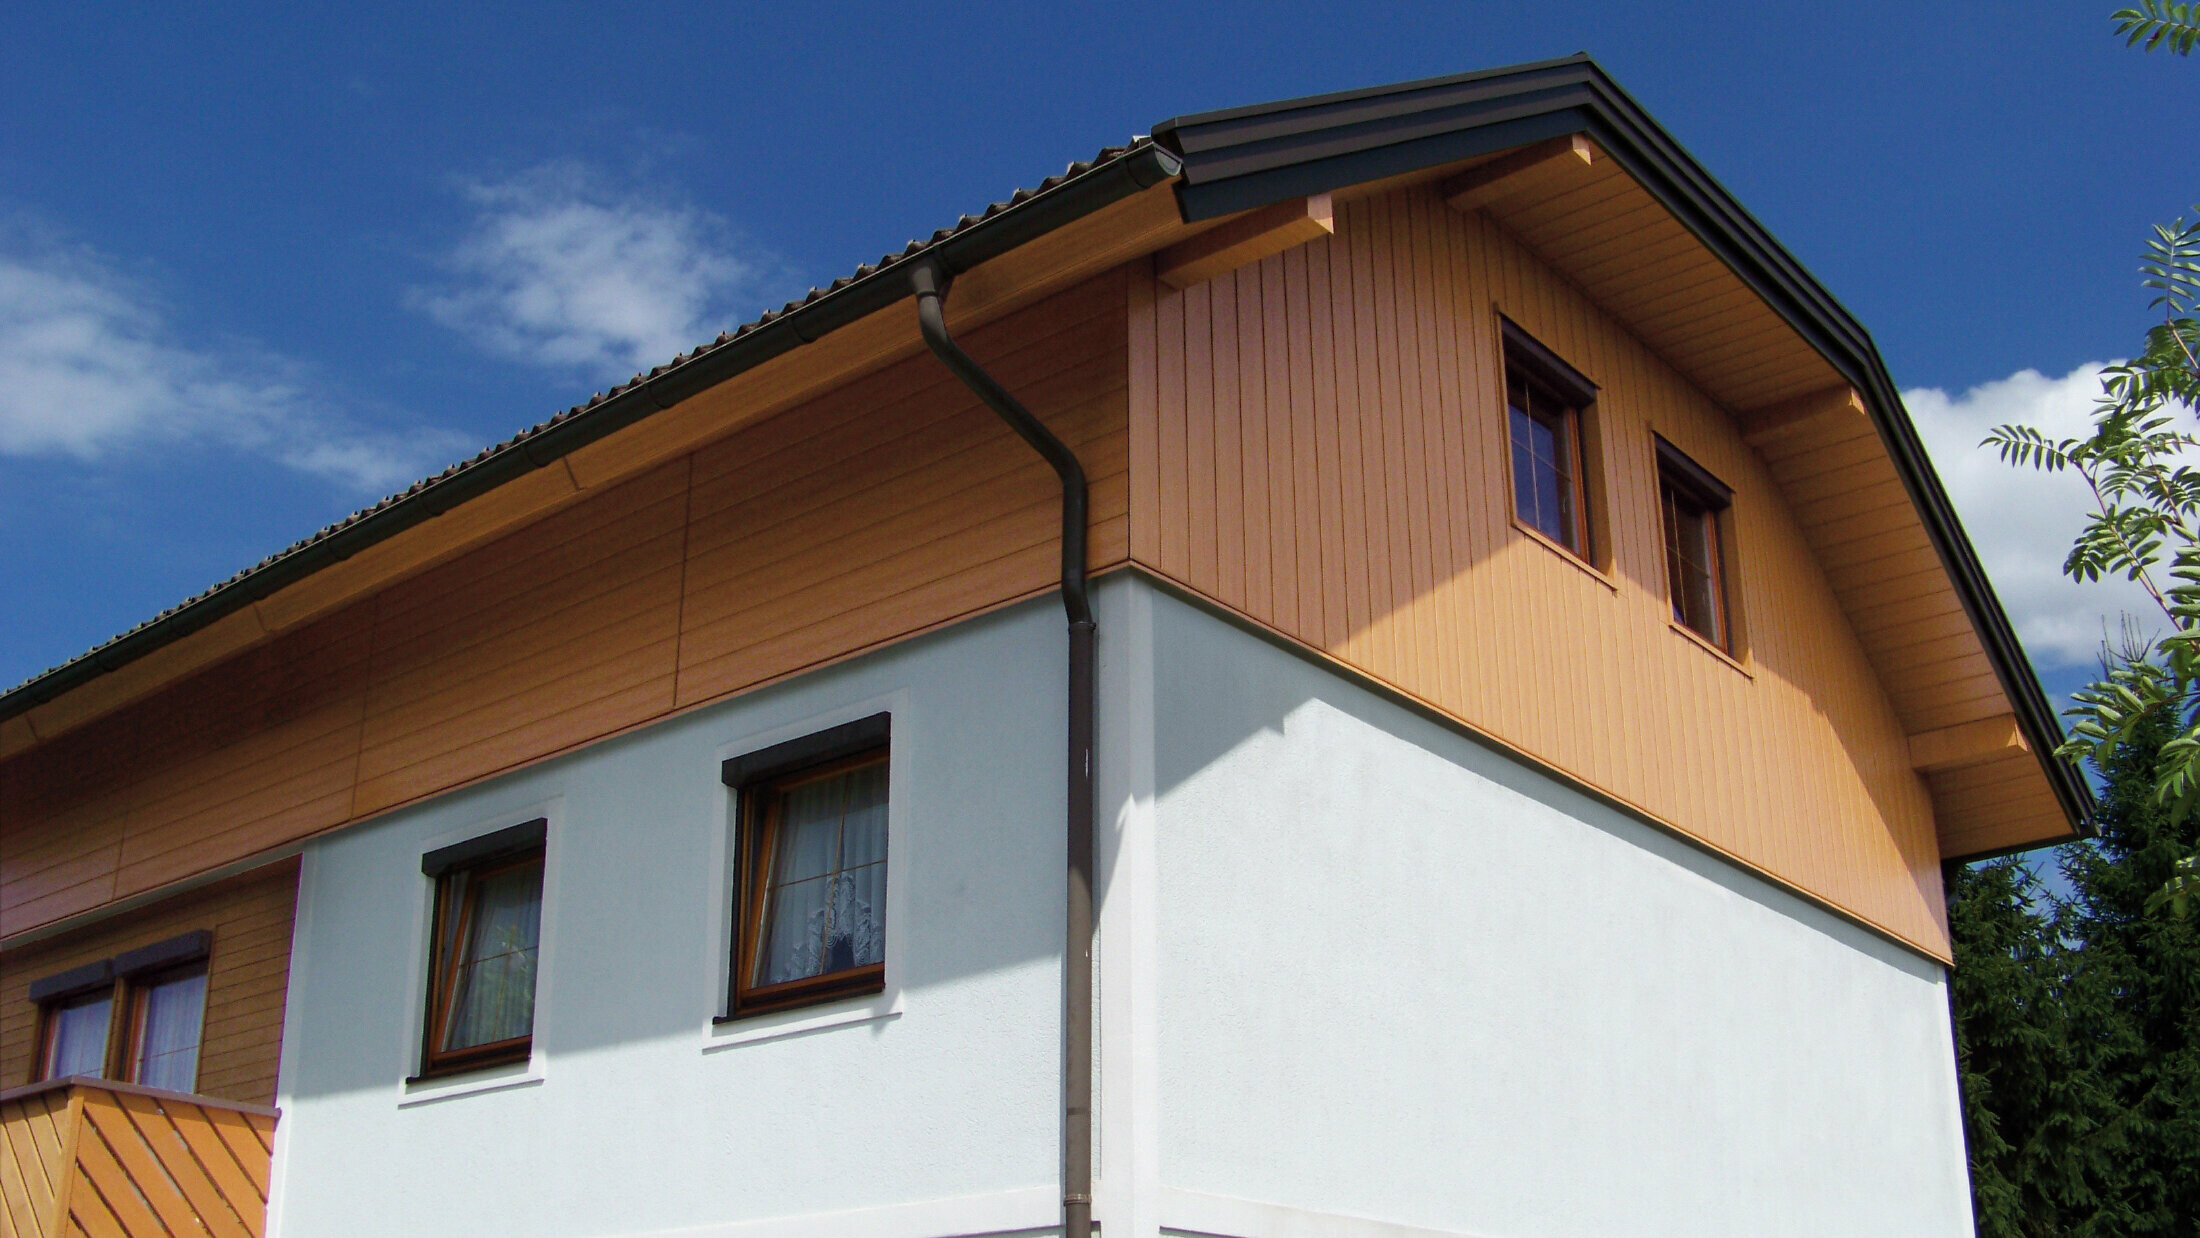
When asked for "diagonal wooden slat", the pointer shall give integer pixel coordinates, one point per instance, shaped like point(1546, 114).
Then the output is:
point(244, 1142)
point(101, 1179)
point(221, 1164)
point(155, 1126)
point(90, 1218)
point(106, 1118)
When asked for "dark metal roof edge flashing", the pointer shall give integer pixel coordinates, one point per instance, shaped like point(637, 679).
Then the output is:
point(971, 241)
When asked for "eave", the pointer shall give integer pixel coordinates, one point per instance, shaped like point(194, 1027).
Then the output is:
point(1797, 347)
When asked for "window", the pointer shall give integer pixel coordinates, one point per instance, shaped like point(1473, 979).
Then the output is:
point(166, 1011)
point(1693, 504)
point(76, 1036)
point(486, 934)
point(1545, 399)
point(160, 991)
point(810, 887)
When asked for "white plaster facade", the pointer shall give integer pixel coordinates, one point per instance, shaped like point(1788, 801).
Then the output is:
point(1358, 975)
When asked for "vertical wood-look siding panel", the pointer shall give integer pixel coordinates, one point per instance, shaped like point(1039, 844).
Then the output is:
point(1209, 504)
point(1330, 284)
point(1288, 507)
point(1450, 382)
point(1233, 515)
point(1379, 370)
point(1170, 396)
point(1143, 430)
point(1262, 521)
point(888, 506)
point(1794, 763)
point(247, 975)
point(1483, 439)
point(1321, 530)
point(1424, 439)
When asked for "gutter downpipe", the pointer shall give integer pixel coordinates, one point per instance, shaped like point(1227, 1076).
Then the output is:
point(930, 284)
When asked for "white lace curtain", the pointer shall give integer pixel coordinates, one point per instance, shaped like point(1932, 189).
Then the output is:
point(826, 903)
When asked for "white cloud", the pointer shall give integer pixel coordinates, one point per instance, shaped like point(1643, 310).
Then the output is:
point(2023, 522)
point(560, 269)
point(90, 367)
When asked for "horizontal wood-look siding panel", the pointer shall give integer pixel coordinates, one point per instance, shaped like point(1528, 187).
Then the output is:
point(247, 975)
point(881, 508)
point(924, 509)
point(1798, 767)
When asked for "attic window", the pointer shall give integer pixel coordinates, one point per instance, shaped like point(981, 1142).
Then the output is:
point(1692, 505)
point(1545, 405)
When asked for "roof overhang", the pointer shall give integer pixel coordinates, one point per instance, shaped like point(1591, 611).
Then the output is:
point(1221, 165)
point(1789, 406)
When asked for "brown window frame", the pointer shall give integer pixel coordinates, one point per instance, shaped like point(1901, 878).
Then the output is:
point(759, 781)
point(512, 847)
point(1547, 379)
point(1712, 499)
point(123, 979)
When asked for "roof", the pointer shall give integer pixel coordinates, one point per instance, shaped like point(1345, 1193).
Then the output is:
point(1082, 188)
point(1223, 162)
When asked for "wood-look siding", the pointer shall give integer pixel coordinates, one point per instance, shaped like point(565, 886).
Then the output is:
point(1318, 442)
point(885, 508)
point(247, 977)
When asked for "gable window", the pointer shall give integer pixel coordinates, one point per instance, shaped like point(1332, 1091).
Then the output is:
point(1693, 506)
point(483, 947)
point(810, 889)
point(1545, 399)
point(158, 992)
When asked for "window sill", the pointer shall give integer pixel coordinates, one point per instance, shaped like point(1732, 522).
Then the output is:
point(472, 1081)
point(1575, 561)
point(1722, 655)
point(879, 1006)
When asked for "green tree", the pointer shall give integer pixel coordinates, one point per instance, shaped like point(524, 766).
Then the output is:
point(2029, 1111)
point(2078, 1026)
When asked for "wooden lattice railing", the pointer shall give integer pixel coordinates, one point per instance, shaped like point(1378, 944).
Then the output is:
point(89, 1157)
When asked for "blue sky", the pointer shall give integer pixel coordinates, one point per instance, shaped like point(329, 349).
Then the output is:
point(259, 266)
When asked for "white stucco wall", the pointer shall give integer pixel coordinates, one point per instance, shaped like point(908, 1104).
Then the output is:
point(932, 1110)
point(1398, 976)
point(1357, 976)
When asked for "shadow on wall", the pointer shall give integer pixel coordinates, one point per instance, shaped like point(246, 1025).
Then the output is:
point(1232, 686)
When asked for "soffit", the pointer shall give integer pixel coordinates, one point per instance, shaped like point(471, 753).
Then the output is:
point(1601, 229)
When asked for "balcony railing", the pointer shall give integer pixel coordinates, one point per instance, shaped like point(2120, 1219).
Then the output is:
point(86, 1156)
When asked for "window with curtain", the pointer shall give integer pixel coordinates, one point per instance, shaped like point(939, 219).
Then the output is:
point(167, 1012)
point(810, 904)
point(76, 1035)
point(487, 938)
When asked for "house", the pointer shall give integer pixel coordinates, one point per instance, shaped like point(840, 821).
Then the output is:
point(1521, 683)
